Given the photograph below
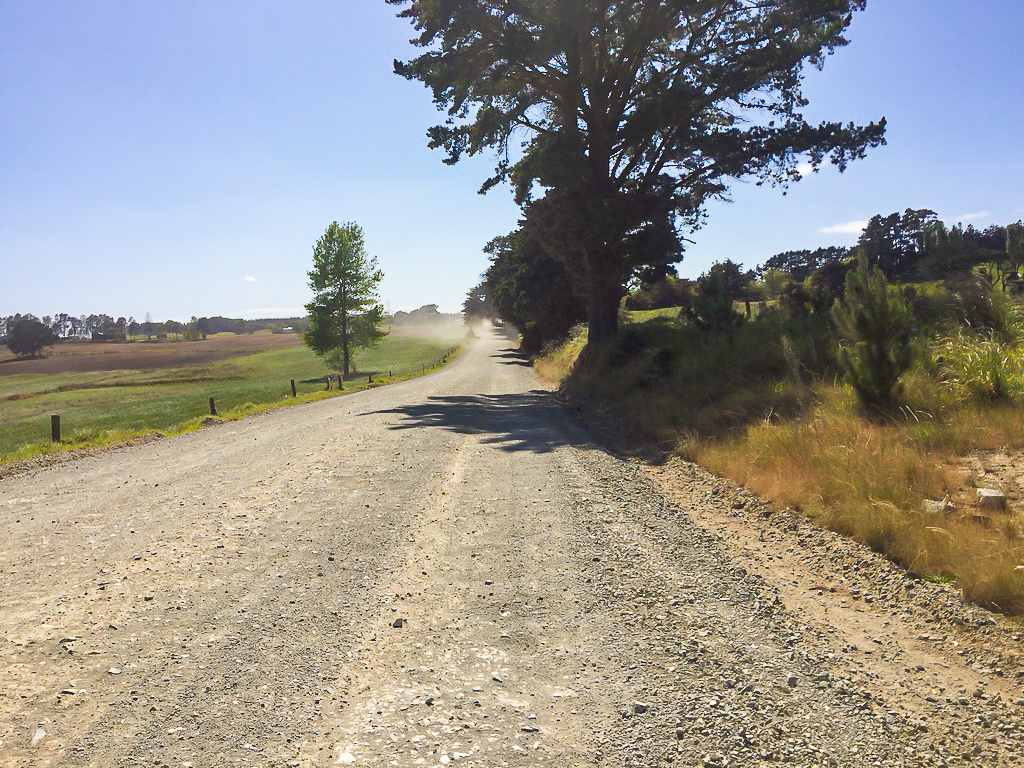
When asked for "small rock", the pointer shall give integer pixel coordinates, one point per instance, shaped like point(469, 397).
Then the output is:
point(147, 598)
point(530, 728)
point(113, 671)
point(640, 708)
point(398, 623)
point(37, 736)
point(991, 498)
point(68, 692)
point(793, 681)
point(931, 507)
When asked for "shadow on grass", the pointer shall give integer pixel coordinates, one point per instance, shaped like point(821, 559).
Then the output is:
point(533, 421)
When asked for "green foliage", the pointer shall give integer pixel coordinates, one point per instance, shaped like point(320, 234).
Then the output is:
point(775, 281)
point(344, 314)
point(1015, 246)
point(794, 300)
point(667, 378)
point(826, 284)
point(477, 305)
point(531, 290)
point(981, 369)
point(724, 279)
point(895, 243)
point(874, 323)
point(629, 113)
point(28, 337)
point(799, 264)
point(710, 308)
point(667, 292)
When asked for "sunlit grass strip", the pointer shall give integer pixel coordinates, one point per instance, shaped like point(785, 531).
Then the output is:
point(186, 411)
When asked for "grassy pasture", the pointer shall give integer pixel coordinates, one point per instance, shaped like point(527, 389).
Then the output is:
point(101, 404)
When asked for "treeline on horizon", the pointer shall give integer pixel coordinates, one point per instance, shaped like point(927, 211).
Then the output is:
point(107, 328)
point(534, 292)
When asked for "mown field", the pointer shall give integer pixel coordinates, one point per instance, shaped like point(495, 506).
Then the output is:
point(110, 392)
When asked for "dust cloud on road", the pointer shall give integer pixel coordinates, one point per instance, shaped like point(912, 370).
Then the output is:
point(446, 571)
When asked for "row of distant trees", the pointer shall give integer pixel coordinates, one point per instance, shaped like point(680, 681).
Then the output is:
point(913, 244)
point(107, 328)
point(534, 291)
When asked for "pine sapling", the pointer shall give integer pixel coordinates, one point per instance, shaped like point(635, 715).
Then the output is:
point(874, 323)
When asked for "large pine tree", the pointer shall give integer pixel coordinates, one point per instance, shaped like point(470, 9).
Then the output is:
point(633, 114)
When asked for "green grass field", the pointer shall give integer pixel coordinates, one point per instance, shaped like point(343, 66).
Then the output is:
point(109, 406)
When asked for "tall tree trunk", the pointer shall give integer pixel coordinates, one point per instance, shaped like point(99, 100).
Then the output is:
point(603, 297)
point(345, 354)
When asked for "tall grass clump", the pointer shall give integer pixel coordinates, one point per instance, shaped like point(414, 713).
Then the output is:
point(981, 369)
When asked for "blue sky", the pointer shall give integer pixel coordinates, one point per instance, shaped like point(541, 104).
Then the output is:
point(181, 158)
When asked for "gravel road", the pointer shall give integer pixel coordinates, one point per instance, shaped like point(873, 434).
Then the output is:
point(451, 571)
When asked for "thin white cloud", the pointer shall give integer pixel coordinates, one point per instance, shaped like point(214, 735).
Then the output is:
point(973, 216)
point(805, 168)
point(250, 279)
point(845, 228)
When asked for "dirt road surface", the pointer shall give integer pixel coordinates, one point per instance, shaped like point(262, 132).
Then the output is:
point(451, 571)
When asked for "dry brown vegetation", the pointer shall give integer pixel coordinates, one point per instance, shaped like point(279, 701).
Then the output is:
point(764, 409)
point(85, 356)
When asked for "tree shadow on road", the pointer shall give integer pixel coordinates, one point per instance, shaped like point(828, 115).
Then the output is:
point(533, 421)
point(512, 357)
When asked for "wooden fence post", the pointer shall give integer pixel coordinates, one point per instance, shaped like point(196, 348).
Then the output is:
point(341, 382)
point(213, 407)
point(55, 427)
point(328, 380)
point(293, 389)
point(370, 378)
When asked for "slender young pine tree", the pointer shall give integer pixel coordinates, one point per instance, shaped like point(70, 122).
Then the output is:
point(874, 323)
point(344, 314)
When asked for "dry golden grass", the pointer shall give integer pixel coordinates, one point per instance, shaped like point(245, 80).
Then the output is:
point(870, 480)
point(798, 438)
point(556, 365)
